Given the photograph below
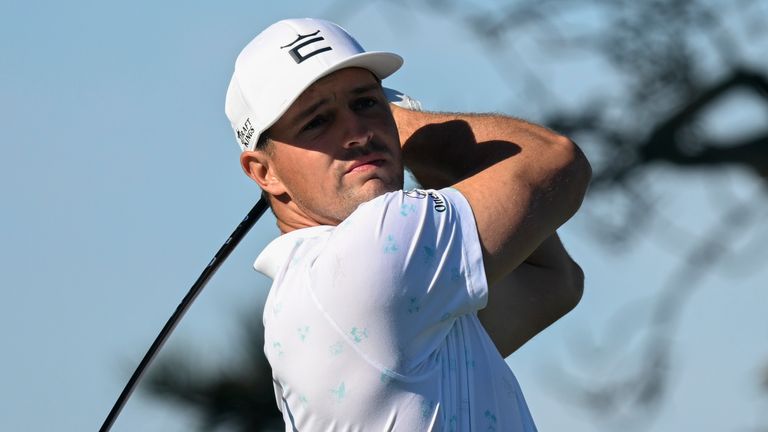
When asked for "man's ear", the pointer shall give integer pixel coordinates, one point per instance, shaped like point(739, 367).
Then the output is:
point(258, 166)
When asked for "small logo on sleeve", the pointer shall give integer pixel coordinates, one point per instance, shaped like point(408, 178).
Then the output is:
point(439, 203)
point(416, 193)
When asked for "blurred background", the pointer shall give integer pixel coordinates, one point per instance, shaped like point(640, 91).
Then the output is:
point(120, 180)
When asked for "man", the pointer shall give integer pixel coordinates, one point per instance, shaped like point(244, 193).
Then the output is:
point(392, 309)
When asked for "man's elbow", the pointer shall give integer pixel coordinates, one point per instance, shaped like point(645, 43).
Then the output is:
point(575, 288)
point(573, 174)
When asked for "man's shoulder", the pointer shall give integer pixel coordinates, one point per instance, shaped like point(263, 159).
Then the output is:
point(406, 202)
point(399, 220)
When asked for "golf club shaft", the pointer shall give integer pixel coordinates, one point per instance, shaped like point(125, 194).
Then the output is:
point(234, 239)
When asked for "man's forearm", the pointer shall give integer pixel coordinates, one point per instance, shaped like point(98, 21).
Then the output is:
point(552, 257)
point(440, 149)
point(537, 293)
point(550, 254)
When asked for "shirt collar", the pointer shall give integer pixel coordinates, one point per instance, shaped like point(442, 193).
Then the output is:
point(272, 258)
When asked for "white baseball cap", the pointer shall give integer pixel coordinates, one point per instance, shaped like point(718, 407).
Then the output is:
point(282, 61)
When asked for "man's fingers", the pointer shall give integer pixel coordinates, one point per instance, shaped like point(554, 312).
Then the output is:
point(401, 99)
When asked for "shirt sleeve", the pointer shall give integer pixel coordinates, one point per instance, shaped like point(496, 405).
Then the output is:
point(394, 276)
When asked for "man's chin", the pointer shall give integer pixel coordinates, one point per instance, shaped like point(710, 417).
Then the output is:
point(369, 190)
point(375, 187)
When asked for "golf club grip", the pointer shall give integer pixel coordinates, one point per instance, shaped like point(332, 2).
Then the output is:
point(234, 239)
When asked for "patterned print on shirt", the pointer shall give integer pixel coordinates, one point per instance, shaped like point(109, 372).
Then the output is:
point(303, 331)
point(358, 334)
point(429, 254)
point(278, 348)
point(491, 418)
point(339, 393)
point(406, 209)
point(413, 305)
point(336, 348)
point(390, 246)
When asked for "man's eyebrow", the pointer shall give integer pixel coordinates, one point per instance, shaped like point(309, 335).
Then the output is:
point(312, 108)
point(365, 88)
point(309, 110)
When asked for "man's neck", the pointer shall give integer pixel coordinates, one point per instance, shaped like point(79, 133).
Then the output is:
point(290, 218)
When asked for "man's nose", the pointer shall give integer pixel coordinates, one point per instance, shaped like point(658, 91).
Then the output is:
point(358, 131)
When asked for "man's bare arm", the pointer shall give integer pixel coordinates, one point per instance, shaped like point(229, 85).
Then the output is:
point(443, 149)
point(546, 286)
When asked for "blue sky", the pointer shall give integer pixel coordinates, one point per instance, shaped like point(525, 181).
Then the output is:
point(120, 180)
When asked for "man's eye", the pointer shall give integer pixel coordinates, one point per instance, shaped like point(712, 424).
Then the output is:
point(315, 123)
point(364, 103)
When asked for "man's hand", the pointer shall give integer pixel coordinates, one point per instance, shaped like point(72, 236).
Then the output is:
point(401, 99)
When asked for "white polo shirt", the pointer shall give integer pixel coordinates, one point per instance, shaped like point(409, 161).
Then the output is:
point(372, 325)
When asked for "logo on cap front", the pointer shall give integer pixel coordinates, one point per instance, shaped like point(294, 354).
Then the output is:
point(314, 44)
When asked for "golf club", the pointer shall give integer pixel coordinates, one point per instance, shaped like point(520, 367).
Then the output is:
point(242, 229)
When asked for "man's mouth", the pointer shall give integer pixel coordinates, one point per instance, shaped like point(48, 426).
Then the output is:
point(365, 165)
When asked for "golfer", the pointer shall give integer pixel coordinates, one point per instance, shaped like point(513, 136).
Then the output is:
point(393, 309)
